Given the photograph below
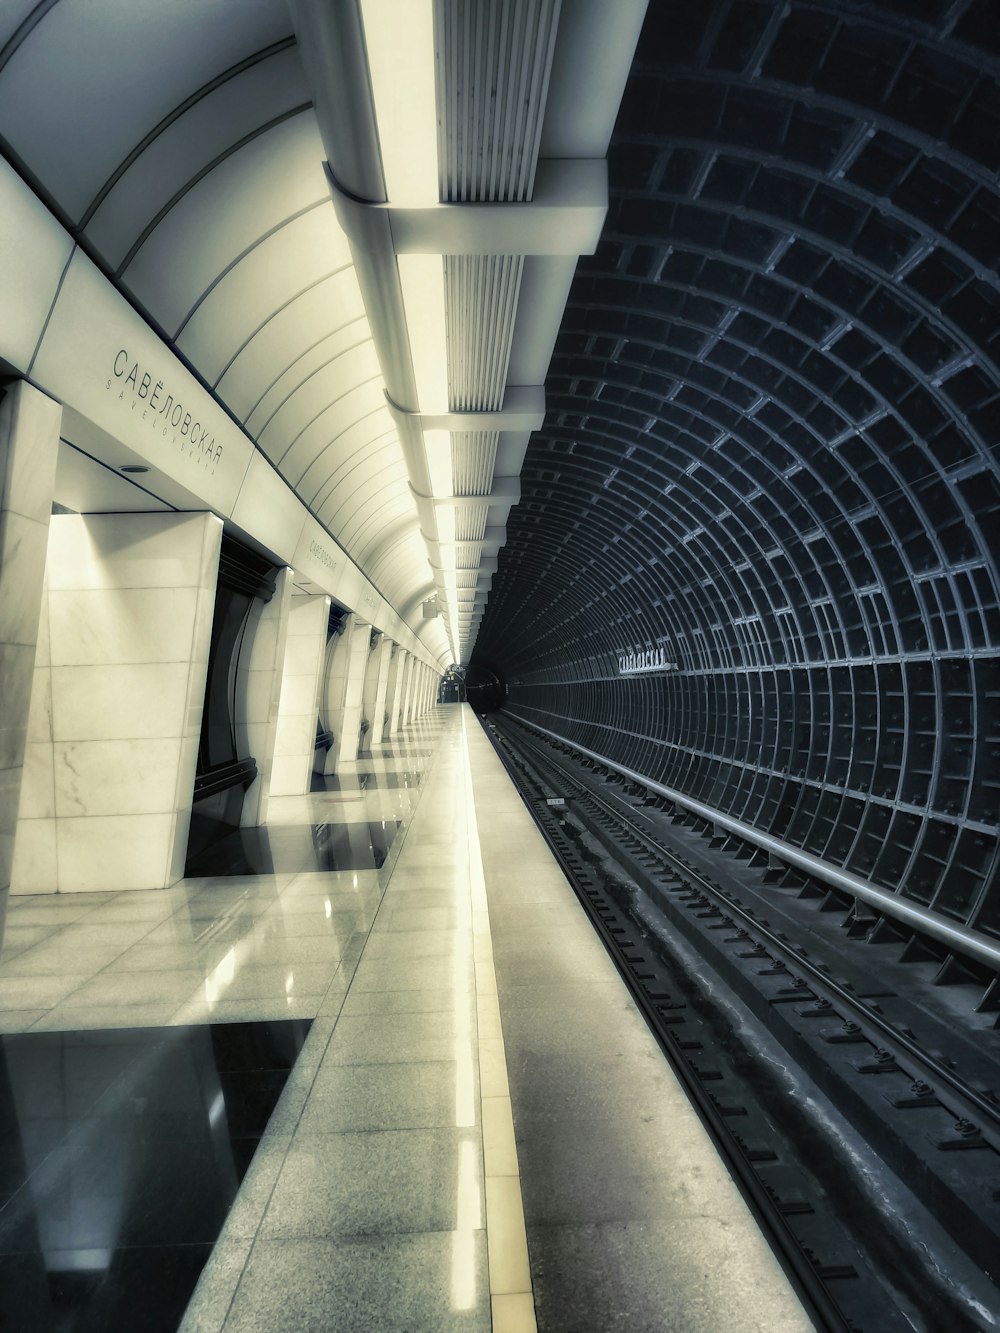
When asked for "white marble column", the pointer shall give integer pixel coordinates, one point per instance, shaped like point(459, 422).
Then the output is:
point(298, 706)
point(369, 682)
point(344, 692)
point(418, 702)
point(411, 686)
point(394, 688)
point(376, 683)
point(406, 672)
point(29, 446)
point(258, 690)
point(117, 701)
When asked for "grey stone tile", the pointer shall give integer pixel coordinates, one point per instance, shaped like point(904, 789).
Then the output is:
point(375, 1183)
point(144, 957)
point(381, 1039)
point(404, 1001)
point(247, 1212)
point(19, 1020)
point(355, 1098)
point(563, 995)
point(420, 944)
point(54, 959)
point(338, 927)
point(15, 939)
point(211, 1298)
point(250, 1009)
point(129, 988)
point(440, 1280)
point(363, 905)
point(407, 919)
point(80, 1018)
point(53, 910)
point(270, 979)
point(653, 1276)
point(613, 1170)
point(33, 992)
point(137, 906)
point(378, 974)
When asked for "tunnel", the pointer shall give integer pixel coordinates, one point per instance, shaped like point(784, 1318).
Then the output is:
point(755, 556)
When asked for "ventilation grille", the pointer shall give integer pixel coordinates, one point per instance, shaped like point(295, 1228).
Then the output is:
point(481, 301)
point(470, 523)
point(469, 557)
point(473, 458)
point(493, 63)
point(467, 579)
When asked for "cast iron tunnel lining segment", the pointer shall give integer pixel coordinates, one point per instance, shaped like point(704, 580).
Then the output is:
point(769, 444)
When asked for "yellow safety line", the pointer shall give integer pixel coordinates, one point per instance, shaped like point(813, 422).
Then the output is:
point(511, 1299)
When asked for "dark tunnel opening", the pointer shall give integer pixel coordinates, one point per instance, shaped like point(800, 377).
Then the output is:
point(755, 555)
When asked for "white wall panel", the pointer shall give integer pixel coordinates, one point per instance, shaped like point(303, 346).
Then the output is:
point(91, 326)
point(33, 253)
point(268, 510)
point(120, 683)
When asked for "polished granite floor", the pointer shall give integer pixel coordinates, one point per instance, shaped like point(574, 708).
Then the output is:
point(121, 1154)
point(330, 845)
point(391, 1156)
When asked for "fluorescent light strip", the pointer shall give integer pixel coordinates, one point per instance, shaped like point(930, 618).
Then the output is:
point(437, 449)
point(399, 35)
point(422, 280)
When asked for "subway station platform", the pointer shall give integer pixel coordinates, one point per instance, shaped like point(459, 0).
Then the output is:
point(471, 1125)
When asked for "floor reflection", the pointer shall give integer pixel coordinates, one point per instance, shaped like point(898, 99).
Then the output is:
point(120, 1155)
point(363, 781)
point(275, 849)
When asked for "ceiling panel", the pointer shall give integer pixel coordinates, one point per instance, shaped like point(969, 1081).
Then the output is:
point(117, 71)
point(270, 87)
point(254, 190)
point(279, 355)
point(292, 259)
point(327, 404)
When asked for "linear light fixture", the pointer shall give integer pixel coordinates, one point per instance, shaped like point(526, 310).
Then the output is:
point(437, 448)
point(422, 280)
point(399, 35)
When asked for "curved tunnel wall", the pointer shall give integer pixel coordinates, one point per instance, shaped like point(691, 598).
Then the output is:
point(771, 442)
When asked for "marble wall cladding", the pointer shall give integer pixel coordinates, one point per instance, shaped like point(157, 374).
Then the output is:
point(298, 705)
point(258, 692)
point(379, 706)
point(29, 446)
point(370, 688)
point(394, 689)
point(406, 710)
point(405, 669)
point(344, 691)
point(116, 702)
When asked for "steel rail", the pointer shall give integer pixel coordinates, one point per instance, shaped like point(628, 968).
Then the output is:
point(955, 938)
point(889, 1036)
point(807, 1282)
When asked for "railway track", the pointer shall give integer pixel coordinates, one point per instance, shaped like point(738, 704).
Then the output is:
point(861, 1123)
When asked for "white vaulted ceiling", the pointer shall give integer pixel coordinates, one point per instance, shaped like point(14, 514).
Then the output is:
point(181, 146)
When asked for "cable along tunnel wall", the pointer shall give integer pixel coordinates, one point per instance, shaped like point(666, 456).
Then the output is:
point(770, 450)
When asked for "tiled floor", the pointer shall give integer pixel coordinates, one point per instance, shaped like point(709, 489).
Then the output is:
point(392, 1154)
point(121, 1153)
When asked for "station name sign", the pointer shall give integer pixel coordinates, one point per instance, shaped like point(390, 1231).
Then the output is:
point(158, 408)
point(322, 555)
point(645, 663)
